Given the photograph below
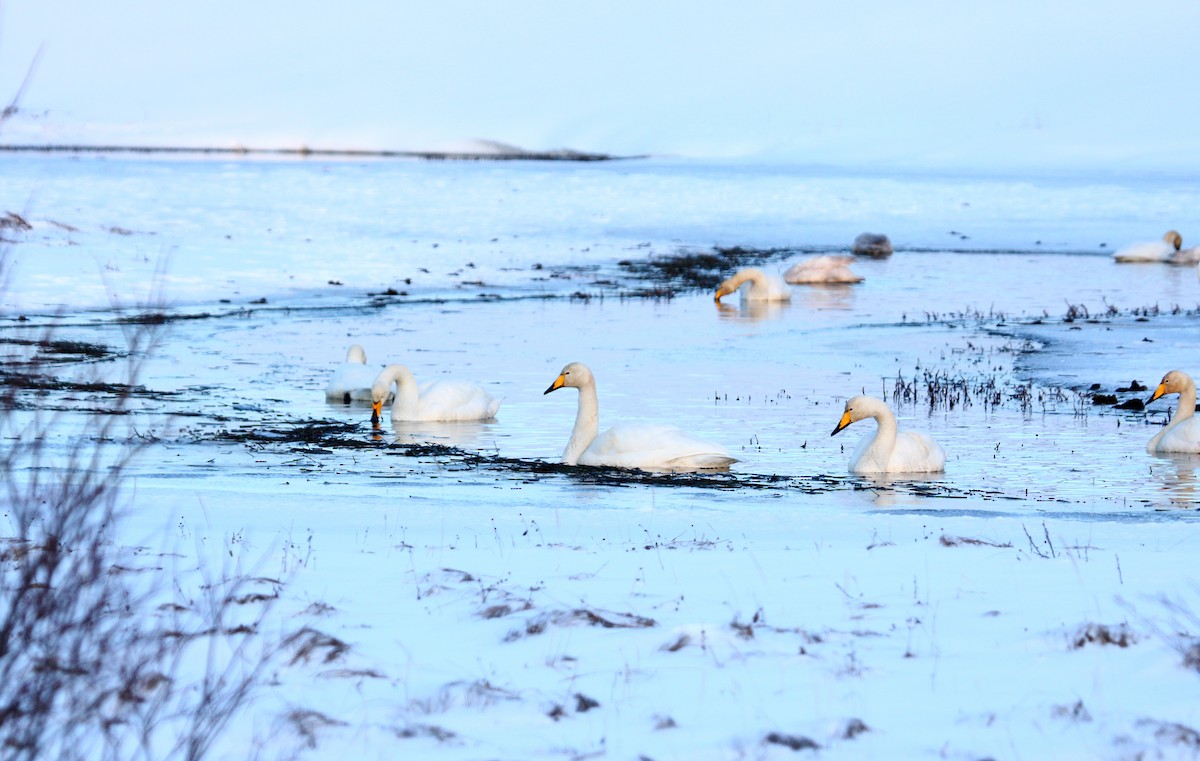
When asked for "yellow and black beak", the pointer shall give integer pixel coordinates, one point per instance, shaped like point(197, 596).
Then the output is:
point(558, 383)
point(1162, 389)
point(376, 412)
point(721, 292)
point(845, 421)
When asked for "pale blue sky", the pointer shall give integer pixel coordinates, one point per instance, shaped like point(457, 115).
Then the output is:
point(941, 82)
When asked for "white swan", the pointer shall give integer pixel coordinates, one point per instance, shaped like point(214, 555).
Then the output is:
point(872, 244)
point(447, 400)
point(352, 380)
point(822, 269)
point(646, 446)
point(1152, 251)
point(1182, 434)
point(763, 287)
point(887, 450)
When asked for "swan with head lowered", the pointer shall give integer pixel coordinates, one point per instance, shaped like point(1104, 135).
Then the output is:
point(444, 400)
point(759, 286)
point(827, 268)
point(1168, 250)
point(889, 450)
point(352, 380)
point(645, 446)
point(1182, 434)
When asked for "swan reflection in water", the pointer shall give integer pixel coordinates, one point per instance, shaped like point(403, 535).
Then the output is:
point(1178, 475)
point(468, 435)
point(752, 311)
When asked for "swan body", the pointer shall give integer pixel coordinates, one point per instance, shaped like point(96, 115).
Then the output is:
point(352, 380)
point(889, 450)
point(763, 287)
point(446, 400)
point(822, 269)
point(1182, 434)
point(872, 244)
point(645, 446)
point(1164, 250)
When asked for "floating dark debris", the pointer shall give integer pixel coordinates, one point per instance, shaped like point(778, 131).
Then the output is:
point(325, 437)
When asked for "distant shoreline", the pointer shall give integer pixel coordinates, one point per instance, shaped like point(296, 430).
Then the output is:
point(305, 151)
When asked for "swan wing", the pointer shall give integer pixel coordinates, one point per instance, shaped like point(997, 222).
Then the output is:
point(455, 400)
point(649, 446)
point(916, 453)
point(1151, 251)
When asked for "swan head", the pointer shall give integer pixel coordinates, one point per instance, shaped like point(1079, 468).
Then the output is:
point(576, 375)
point(1173, 382)
point(733, 283)
point(857, 408)
point(1173, 238)
point(383, 386)
point(356, 355)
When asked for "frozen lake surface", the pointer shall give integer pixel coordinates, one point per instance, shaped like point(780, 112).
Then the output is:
point(801, 598)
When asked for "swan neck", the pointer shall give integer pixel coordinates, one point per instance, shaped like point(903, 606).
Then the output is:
point(886, 431)
point(1187, 403)
point(404, 406)
point(587, 424)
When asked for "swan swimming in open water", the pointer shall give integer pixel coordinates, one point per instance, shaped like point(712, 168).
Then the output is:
point(828, 268)
point(763, 287)
point(872, 244)
point(1165, 250)
point(352, 380)
point(646, 446)
point(889, 450)
point(446, 400)
point(1182, 434)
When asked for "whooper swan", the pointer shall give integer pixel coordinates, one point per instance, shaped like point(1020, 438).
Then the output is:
point(446, 400)
point(829, 268)
point(1163, 250)
point(762, 287)
point(1182, 434)
point(645, 446)
point(889, 450)
point(352, 380)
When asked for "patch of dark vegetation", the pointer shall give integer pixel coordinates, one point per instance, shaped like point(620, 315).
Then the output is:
point(583, 703)
point(426, 730)
point(1133, 388)
point(698, 271)
point(308, 723)
point(500, 153)
point(1174, 733)
point(309, 644)
point(57, 350)
point(1101, 634)
point(607, 620)
point(10, 220)
point(854, 728)
point(325, 433)
point(161, 318)
point(1077, 712)
point(791, 742)
point(966, 541)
